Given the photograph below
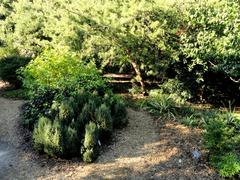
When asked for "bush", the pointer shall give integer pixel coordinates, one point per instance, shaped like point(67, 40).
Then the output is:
point(119, 114)
point(9, 67)
point(176, 89)
point(222, 139)
point(209, 50)
point(227, 164)
point(91, 142)
point(104, 119)
point(39, 105)
point(162, 104)
point(61, 71)
point(67, 125)
point(47, 137)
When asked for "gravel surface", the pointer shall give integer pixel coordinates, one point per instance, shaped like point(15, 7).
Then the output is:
point(145, 149)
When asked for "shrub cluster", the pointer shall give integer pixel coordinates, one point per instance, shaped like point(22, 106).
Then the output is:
point(75, 125)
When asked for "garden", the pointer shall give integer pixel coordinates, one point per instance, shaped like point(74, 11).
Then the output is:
point(84, 68)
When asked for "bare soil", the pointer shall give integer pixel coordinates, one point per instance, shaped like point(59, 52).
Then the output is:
point(146, 149)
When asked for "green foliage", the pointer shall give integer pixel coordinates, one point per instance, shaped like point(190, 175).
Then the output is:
point(228, 165)
point(209, 48)
point(71, 141)
point(47, 137)
point(119, 114)
point(16, 94)
point(61, 72)
point(9, 66)
point(66, 111)
point(75, 123)
point(176, 89)
point(103, 118)
point(90, 142)
point(161, 104)
point(222, 139)
point(89, 155)
point(38, 106)
point(91, 135)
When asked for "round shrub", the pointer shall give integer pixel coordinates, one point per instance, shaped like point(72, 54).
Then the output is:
point(61, 71)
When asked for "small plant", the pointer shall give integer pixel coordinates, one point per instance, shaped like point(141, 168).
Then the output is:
point(90, 142)
point(190, 121)
point(104, 119)
point(47, 137)
point(227, 164)
point(161, 104)
point(222, 139)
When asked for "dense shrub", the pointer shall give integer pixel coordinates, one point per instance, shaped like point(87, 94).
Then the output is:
point(222, 139)
point(90, 142)
point(9, 66)
point(41, 104)
point(61, 71)
point(209, 49)
point(47, 137)
point(73, 125)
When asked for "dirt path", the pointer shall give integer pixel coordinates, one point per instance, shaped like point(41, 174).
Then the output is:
point(15, 162)
point(145, 149)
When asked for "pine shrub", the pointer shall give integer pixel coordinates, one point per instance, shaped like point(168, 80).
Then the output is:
point(72, 142)
point(89, 155)
point(90, 142)
point(104, 119)
point(73, 125)
point(47, 137)
point(119, 114)
point(66, 112)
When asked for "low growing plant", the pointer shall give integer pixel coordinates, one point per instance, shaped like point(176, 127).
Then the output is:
point(222, 139)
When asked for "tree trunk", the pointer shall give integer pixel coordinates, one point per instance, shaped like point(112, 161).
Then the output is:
point(138, 72)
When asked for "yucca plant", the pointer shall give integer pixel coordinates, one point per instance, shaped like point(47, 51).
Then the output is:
point(161, 105)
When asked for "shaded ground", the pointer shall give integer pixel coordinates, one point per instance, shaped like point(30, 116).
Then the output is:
point(146, 149)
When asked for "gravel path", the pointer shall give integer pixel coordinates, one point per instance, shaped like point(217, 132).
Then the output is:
point(145, 149)
point(15, 161)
